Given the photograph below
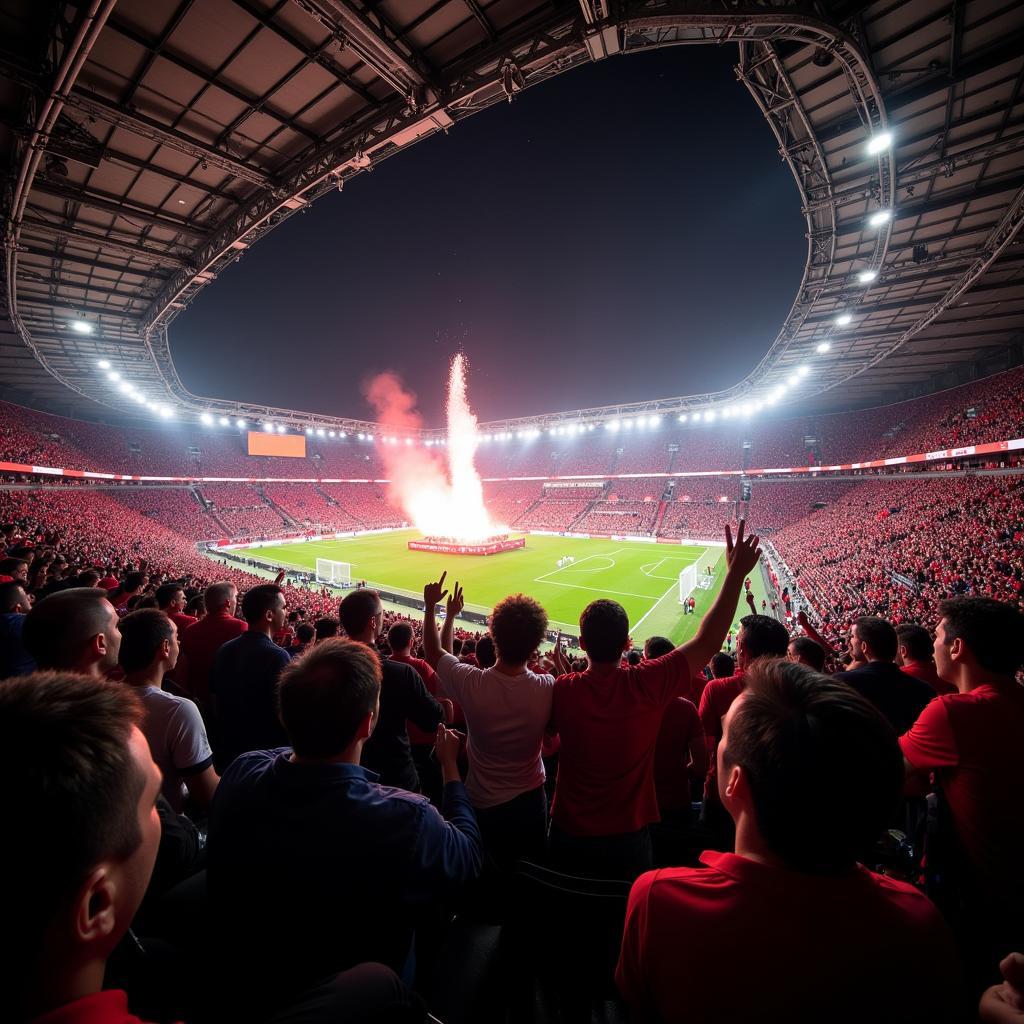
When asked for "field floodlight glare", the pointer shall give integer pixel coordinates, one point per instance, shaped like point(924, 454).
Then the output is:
point(206, 419)
point(240, 424)
point(879, 143)
point(612, 425)
point(682, 417)
point(124, 387)
point(843, 319)
point(224, 421)
point(330, 433)
point(823, 347)
point(867, 276)
point(104, 364)
point(880, 217)
point(113, 375)
point(710, 415)
point(309, 431)
point(166, 411)
point(281, 428)
point(320, 432)
point(140, 398)
point(268, 428)
point(81, 327)
point(697, 417)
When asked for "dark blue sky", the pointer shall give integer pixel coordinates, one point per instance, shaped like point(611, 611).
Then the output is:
point(623, 232)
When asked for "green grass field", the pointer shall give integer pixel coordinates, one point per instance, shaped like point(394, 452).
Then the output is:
point(643, 578)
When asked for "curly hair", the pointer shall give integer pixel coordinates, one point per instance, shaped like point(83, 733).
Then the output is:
point(518, 625)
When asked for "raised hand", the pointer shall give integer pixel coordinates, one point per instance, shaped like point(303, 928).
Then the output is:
point(455, 602)
point(434, 593)
point(742, 555)
point(446, 748)
point(802, 620)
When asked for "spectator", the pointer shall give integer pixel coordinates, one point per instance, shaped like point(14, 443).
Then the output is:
point(914, 656)
point(507, 711)
point(379, 858)
point(971, 740)
point(608, 719)
point(132, 587)
point(196, 607)
point(805, 651)
point(898, 696)
point(14, 606)
point(1004, 1003)
point(172, 725)
point(759, 636)
point(170, 599)
point(75, 630)
point(326, 627)
point(722, 665)
point(810, 772)
point(78, 778)
point(244, 676)
point(305, 636)
point(14, 569)
point(485, 654)
point(402, 696)
point(201, 642)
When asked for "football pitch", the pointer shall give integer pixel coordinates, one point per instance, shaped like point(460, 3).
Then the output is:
point(643, 578)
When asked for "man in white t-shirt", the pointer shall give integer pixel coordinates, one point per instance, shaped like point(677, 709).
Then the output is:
point(172, 725)
point(507, 710)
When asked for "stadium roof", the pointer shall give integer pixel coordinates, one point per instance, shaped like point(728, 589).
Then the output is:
point(150, 143)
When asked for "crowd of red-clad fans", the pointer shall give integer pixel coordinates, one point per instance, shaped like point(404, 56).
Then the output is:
point(235, 800)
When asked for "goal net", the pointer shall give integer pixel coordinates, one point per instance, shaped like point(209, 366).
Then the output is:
point(335, 574)
point(687, 582)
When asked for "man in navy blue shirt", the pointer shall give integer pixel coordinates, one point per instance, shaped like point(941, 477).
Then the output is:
point(314, 866)
point(14, 605)
point(244, 676)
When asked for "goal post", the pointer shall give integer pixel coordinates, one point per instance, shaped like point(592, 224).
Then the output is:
point(335, 574)
point(687, 582)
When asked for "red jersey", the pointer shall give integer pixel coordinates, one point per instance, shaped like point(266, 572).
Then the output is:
point(182, 621)
point(973, 742)
point(680, 725)
point(736, 940)
point(608, 719)
point(928, 673)
point(200, 643)
point(108, 1007)
point(715, 701)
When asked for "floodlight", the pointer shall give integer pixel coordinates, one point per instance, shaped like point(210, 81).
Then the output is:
point(802, 371)
point(879, 143)
point(166, 411)
point(612, 425)
point(408, 440)
point(330, 433)
point(682, 417)
point(240, 424)
point(590, 426)
point(309, 431)
point(823, 347)
point(224, 421)
point(843, 319)
point(880, 217)
point(627, 424)
point(206, 419)
point(746, 409)
point(793, 381)
point(341, 433)
point(113, 375)
point(281, 428)
point(697, 417)
point(654, 421)
point(867, 276)
point(361, 437)
point(320, 432)
point(726, 412)
point(104, 364)
point(268, 428)
point(140, 398)
point(81, 327)
point(710, 415)
point(124, 387)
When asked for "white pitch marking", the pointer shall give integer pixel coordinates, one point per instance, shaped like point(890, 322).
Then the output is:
point(596, 590)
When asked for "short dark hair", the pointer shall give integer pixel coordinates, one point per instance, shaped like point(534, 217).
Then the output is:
point(87, 578)
point(400, 636)
point(325, 693)
point(218, 595)
point(357, 608)
point(325, 627)
point(10, 566)
point(486, 656)
point(59, 624)
point(810, 652)
point(604, 630)
point(916, 639)
point(9, 595)
point(304, 632)
point(823, 765)
point(258, 601)
point(142, 633)
point(723, 665)
point(879, 635)
point(133, 581)
point(196, 604)
point(518, 625)
point(992, 630)
point(67, 776)
point(165, 594)
point(764, 636)
point(656, 646)
point(634, 657)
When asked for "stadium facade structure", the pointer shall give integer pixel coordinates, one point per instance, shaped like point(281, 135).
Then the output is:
point(150, 145)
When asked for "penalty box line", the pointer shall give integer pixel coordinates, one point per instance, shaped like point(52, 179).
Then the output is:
point(586, 558)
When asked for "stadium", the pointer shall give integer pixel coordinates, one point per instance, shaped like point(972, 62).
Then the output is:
point(758, 625)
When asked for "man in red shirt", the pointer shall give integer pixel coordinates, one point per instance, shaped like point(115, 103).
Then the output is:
point(971, 740)
point(608, 719)
point(914, 656)
point(201, 641)
point(170, 599)
point(759, 636)
point(789, 927)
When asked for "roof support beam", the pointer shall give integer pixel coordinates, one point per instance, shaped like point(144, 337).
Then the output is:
point(80, 236)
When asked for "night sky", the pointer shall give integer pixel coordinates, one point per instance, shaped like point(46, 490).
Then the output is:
point(626, 231)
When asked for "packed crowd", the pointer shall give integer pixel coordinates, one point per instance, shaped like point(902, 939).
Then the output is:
point(233, 806)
